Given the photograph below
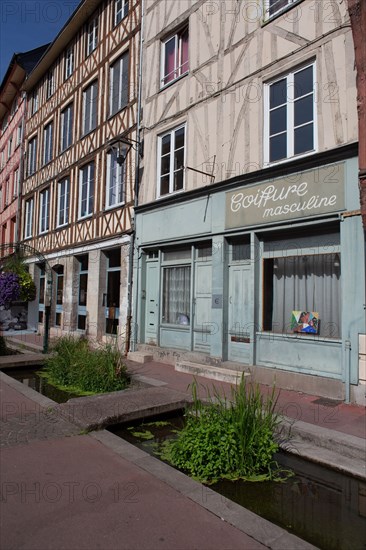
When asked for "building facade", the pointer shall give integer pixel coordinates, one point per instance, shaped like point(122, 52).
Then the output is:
point(249, 241)
point(78, 191)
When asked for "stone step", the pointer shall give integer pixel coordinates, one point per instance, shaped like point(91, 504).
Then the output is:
point(208, 371)
point(23, 346)
point(139, 357)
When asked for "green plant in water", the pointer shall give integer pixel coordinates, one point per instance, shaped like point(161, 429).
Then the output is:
point(229, 439)
point(74, 365)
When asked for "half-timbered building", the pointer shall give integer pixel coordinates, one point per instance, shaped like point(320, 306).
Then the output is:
point(78, 190)
point(250, 247)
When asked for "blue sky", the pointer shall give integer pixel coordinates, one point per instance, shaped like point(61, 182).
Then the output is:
point(28, 24)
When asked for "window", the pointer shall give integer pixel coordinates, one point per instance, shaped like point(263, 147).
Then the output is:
point(274, 7)
point(47, 143)
point(16, 182)
point(10, 147)
point(59, 290)
point(42, 288)
point(171, 161)
point(115, 180)
point(120, 10)
point(28, 218)
point(14, 106)
point(63, 200)
point(19, 134)
point(6, 194)
point(309, 283)
point(90, 108)
point(176, 295)
point(66, 127)
point(34, 102)
point(290, 115)
point(32, 156)
point(86, 190)
point(44, 211)
point(113, 290)
point(83, 291)
point(92, 36)
point(69, 62)
point(50, 84)
point(118, 96)
point(174, 61)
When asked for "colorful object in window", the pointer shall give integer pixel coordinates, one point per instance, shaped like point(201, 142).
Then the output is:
point(305, 321)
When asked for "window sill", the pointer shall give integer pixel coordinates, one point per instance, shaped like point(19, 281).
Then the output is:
point(168, 84)
point(111, 115)
point(161, 197)
point(171, 326)
point(270, 164)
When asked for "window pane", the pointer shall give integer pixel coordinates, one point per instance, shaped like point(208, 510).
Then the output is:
point(277, 147)
point(165, 164)
point(179, 138)
point(165, 145)
point(304, 140)
point(278, 120)
point(184, 52)
point(304, 110)
point(278, 94)
point(176, 295)
point(178, 180)
point(81, 322)
point(83, 289)
point(178, 159)
point(170, 56)
point(303, 81)
point(164, 185)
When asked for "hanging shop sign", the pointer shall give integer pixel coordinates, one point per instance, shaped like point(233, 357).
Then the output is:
point(299, 195)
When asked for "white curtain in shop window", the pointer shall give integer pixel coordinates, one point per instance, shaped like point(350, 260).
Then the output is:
point(307, 283)
point(176, 295)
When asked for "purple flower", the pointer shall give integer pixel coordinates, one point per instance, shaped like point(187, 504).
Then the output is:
point(9, 287)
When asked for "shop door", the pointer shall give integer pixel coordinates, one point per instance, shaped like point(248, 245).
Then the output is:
point(202, 307)
point(239, 313)
point(152, 302)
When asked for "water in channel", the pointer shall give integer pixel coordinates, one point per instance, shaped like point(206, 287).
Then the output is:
point(324, 507)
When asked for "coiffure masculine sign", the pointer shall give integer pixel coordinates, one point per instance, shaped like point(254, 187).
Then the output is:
point(299, 195)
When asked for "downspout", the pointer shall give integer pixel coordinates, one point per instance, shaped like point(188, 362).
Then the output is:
point(21, 174)
point(136, 193)
point(347, 346)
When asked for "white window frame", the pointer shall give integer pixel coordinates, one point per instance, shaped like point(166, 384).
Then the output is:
point(69, 62)
point(19, 134)
point(290, 128)
point(16, 176)
point(48, 143)
point(92, 35)
point(44, 211)
point(63, 202)
point(67, 115)
point(92, 113)
point(88, 182)
point(50, 83)
point(32, 155)
point(120, 10)
point(281, 6)
point(34, 102)
point(123, 98)
point(28, 222)
point(171, 168)
point(177, 37)
point(119, 178)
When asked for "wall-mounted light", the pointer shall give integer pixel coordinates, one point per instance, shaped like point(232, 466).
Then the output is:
point(121, 146)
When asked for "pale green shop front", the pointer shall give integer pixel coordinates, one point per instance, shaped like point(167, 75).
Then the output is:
point(220, 271)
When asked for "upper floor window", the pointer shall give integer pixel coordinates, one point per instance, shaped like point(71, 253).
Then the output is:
point(115, 180)
point(50, 84)
point(69, 62)
point(19, 134)
point(32, 155)
point(86, 190)
point(63, 200)
point(14, 106)
point(44, 211)
point(16, 182)
point(290, 115)
point(66, 127)
point(118, 94)
point(34, 102)
point(47, 143)
point(171, 151)
point(174, 62)
point(273, 7)
point(92, 36)
point(10, 147)
point(28, 225)
point(90, 96)
point(120, 10)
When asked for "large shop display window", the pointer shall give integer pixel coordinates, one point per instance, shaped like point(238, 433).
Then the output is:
point(177, 288)
point(305, 287)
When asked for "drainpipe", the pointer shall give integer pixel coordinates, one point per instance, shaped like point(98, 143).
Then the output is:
point(347, 346)
point(136, 192)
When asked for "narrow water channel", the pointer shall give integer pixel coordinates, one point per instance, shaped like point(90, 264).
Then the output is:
point(30, 378)
point(324, 507)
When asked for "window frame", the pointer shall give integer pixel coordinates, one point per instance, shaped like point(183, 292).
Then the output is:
point(89, 182)
point(66, 136)
point(28, 218)
point(48, 143)
point(32, 156)
point(120, 12)
point(50, 83)
point(290, 110)
point(123, 98)
point(171, 132)
point(44, 211)
point(178, 62)
point(120, 185)
point(267, 7)
point(92, 32)
point(93, 114)
point(69, 62)
point(63, 209)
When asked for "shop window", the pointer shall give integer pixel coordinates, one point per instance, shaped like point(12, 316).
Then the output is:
point(171, 161)
point(112, 297)
point(174, 56)
point(42, 288)
point(303, 283)
point(83, 291)
point(290, 115)
point(177, 295)
point(59, 271)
